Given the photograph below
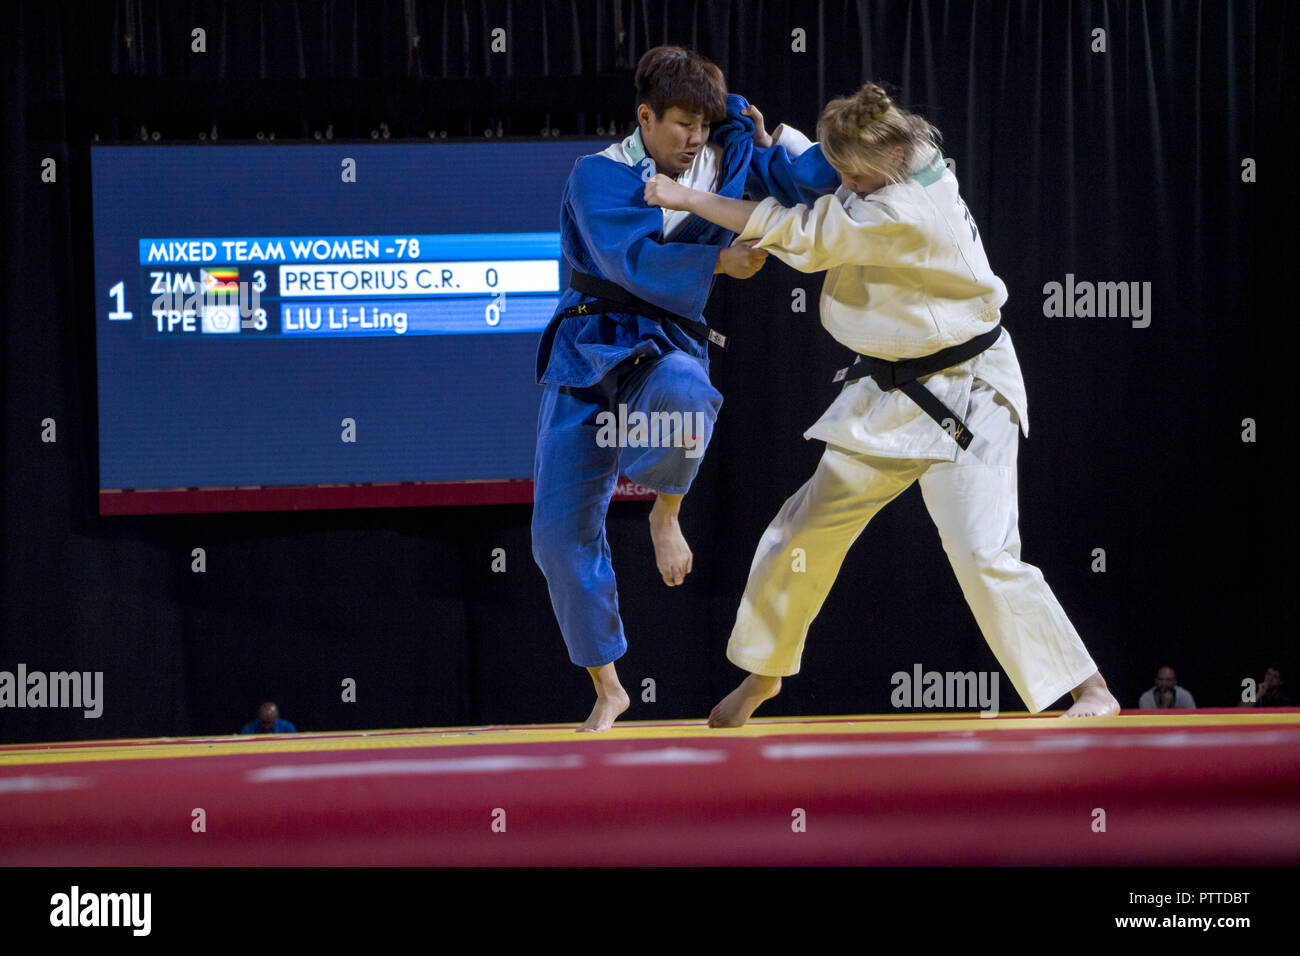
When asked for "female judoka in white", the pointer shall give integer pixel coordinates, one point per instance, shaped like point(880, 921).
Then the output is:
point(906, 276)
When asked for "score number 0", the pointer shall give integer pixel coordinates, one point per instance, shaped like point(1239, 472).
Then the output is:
point(498, 303)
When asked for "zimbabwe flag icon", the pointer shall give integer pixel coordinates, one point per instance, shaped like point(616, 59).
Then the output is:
point(222, 279)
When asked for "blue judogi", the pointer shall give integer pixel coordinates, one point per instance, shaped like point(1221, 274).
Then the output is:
point(594, 363)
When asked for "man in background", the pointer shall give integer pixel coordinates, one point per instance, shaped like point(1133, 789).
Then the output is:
point(269, 722)
point(1166, 693)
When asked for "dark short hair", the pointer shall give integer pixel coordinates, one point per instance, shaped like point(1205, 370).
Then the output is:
point(668, 76)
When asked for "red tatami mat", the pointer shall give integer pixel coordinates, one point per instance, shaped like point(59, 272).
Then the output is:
point(1142, 789)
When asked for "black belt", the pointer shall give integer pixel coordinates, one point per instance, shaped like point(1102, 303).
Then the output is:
point(903, 376)
point(611, 297)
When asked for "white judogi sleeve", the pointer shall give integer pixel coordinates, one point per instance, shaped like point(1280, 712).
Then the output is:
point(795, 142)
point(825, 235)
point(906, 276)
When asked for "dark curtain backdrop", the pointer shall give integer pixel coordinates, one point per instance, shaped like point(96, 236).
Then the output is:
point(1116, 166)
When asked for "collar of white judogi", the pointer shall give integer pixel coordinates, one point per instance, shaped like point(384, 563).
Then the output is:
point(931, 171)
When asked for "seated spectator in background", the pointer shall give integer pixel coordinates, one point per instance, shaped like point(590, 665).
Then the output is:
point(1270, 693)
point(1166, 693)
point(269, 722)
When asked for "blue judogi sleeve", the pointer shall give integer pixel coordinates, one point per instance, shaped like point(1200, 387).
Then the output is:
point(803, 179)
point(772, 171)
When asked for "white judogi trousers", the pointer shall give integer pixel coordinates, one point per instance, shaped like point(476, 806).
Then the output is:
point(972, 501)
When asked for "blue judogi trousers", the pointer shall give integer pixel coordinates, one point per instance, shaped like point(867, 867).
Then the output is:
point(574, 479)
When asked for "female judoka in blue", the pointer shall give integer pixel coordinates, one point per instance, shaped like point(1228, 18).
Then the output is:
point(625, 357)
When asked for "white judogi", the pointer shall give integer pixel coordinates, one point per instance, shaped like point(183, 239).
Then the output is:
point(907, 276)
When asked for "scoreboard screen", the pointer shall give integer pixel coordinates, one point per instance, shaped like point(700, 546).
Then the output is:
point(300, 326)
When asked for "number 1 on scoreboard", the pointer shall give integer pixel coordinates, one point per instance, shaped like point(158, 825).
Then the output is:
point(120, 315)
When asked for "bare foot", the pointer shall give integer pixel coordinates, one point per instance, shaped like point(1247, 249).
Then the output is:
point(672, 555)
point(738, 706)
point(605, 712)
point(1093, 699)
point(611, 699)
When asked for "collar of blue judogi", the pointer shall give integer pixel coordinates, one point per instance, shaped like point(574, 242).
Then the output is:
point(634, 147)
point(735, 160)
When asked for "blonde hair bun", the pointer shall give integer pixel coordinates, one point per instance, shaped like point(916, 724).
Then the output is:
point(864, 133)
point(871, 103)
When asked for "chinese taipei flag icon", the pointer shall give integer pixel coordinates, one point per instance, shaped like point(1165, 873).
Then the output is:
point(220, 302)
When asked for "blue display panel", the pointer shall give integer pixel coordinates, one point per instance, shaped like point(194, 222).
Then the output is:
point(258, 305)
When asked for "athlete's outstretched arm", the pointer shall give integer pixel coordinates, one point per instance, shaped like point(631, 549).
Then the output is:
point(808, 238)
point(728, 213)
